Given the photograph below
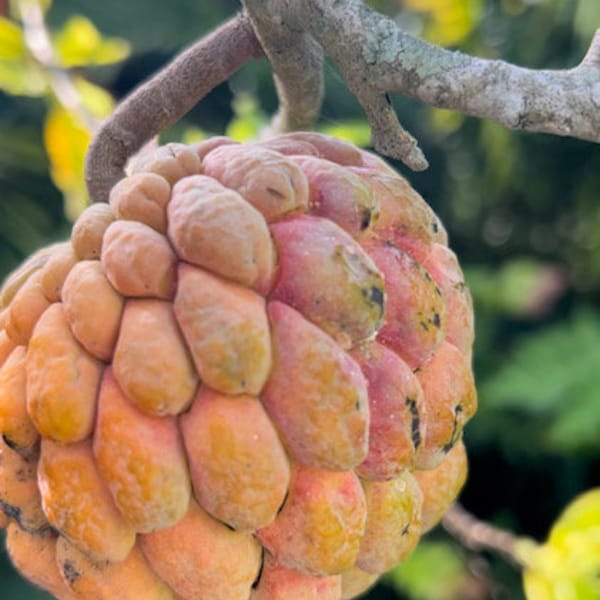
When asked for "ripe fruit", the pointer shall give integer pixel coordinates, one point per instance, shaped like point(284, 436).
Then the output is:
point(227, 384)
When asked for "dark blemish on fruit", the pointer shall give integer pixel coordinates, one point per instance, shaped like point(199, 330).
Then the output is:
point(388, 99)
point(415, 430)
point(365, 218)
point(376, 296)
point(283, 502)
point(427, 275)
point(70, 572)
point(455, 430)
point(10, 443)
point(438, 291)
point(406, 530)
point(11, 511)
point(436, 320)
point(260, 569)
point(424, 325)
point(435, 227)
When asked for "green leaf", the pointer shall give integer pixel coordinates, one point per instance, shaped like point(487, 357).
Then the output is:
point(79, 43)
point(19, 75)
point(567, 566)
point(414, 575)
point(96, 100)
point(66, 141)
point(554, 374)
point(355, 131)
point(22, 78)
point(249, 120)
point(12, 43)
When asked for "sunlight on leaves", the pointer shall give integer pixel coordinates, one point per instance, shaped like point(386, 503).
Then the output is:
point(414, 575)
point(448, 22)
point(553, 376)
point(357, 132)
point(193, 135)
point(249, 120)
point(19, 75)
point(566, 567)
point(12, 44)
point(79, 43)
point(96, 100)
point(66, 141)
point(445, 121)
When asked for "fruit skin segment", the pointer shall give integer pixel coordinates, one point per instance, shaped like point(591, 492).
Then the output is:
point(270, 182)
point(34, 556)
point(213, 227)
point(314, 387)
point(393, 525)
point(226, 329)
point(77, 503)
point(130, 579)
point(280, 583)
point(319, 528)
point(138, 261)
point(450, 400)
point(441, 485)
point(87, 290)
point(244, 378)
point(396, 410)
point(20, 498)
point(15, 424)
point(237, 463)
point(141, 459)
point(62, 380)
point(325, 275)
point(199, 557)
point(156, 373)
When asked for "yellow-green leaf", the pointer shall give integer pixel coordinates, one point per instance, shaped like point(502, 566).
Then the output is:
point(66, 141)
point(22, 78)
point(12, 44)
point(248, 121)
point(566, 567)
point(358, 132)
point(96, 100)
point(79, 43)
point(448, 22)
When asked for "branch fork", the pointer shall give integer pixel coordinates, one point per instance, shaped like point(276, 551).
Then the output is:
point(374, 56)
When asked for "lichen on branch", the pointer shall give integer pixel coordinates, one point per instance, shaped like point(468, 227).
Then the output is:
point(374, 56)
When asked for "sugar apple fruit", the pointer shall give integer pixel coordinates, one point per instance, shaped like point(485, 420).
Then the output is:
point(245, 377)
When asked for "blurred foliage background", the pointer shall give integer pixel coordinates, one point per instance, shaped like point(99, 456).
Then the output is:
point(522, 211)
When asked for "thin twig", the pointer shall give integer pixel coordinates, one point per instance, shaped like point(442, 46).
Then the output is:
point(297, 62)
point(62, 83)
point(164, 99)
point(478, 535)
point(374, 53)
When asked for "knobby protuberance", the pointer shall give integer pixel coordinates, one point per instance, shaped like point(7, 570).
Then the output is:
point(297, 62)
point(164, 99)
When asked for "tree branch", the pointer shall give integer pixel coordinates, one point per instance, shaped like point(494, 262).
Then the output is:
point(375, 56)
point(297, 62)
point(164, 99)
point(478, 535)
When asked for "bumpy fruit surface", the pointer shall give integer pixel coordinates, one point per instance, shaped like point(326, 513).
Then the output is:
point(245, 377)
